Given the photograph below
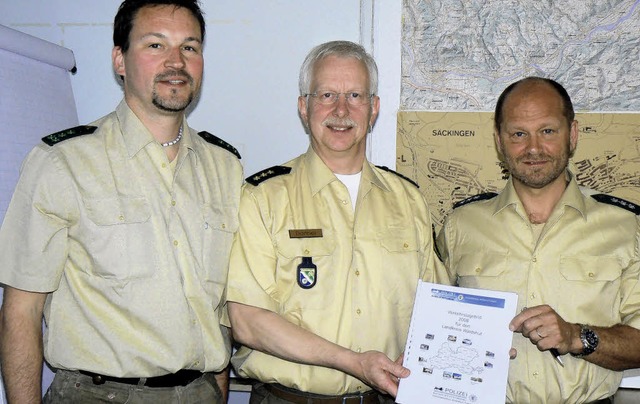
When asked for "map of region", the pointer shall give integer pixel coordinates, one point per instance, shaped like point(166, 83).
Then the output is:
point(453, 357)
point(451, 155)
point(460, 55)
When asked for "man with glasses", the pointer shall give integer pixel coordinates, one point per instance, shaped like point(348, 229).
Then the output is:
point(329, 250)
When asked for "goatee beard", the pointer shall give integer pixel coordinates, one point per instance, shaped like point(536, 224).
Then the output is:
point(171, 105)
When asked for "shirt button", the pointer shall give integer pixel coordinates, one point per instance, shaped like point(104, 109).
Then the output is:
point(535, 374)
point(173, 203)
point(359, 350)
point(534, 259)
point(533, 296)
point(357, 273)
point(591, 274)
point(477, 270)
point(406, 245)
point(306, 252)
point(358, 311)
point(224, 226)
point(344, 202)
point(121, 218)
point(164, 165)
point(175, 243)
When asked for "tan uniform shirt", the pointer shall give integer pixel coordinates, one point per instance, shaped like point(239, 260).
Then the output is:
point(584, 265)
point(368, 264)
point(135, 252)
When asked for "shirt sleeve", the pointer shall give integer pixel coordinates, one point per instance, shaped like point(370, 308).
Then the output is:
point(630, 286)
point(253, 258)
point(445, 274)
point(34, 234)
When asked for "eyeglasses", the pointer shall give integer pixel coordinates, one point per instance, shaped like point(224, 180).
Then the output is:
point(353, 97)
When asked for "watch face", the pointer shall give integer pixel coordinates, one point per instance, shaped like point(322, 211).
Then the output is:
point(589, 340)
point(591, 337)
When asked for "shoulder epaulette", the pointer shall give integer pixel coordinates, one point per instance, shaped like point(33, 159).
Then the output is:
point(219, 142)
point(68, 134)
point(265, 174)
point(479, 197)
point(387, 169)
point(619, 202)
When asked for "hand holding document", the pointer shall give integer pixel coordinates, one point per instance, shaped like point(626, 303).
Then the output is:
point(458, 345)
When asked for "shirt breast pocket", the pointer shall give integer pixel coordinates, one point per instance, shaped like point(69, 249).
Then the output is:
point(482, 269)
point(324, 290)
point(592, 285)
point(401, 265)
point(219, 225)
point(119, 242)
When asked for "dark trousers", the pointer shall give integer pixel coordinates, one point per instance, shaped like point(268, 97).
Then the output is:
point(73, 388)
point(260, 395)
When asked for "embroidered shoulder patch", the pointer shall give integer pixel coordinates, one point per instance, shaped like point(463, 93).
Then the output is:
point(219, 142)
point(270, 172)
point(68, 134)
point(619, 202)
point(387, 169)
point(475, 198)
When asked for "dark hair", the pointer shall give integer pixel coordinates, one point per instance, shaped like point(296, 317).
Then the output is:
point(128, 10)
point(567, 105)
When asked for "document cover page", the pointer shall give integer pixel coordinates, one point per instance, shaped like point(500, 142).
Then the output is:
point(458, 345)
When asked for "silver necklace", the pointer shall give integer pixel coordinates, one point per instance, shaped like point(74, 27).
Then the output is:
point(174, 141)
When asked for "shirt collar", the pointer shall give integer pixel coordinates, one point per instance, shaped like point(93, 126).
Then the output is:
point(320, 175)
point(572, 197)
point(136, 136)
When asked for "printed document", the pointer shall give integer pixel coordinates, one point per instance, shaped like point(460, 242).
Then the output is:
point(458, 345)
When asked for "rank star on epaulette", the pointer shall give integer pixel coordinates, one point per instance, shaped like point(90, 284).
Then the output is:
point(270, 172)
point(219, 142)
point(387, 169)
point(475, 198)
point(619, 202)
point(70, 133)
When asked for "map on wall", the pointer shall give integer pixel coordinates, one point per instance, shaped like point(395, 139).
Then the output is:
point(451, 155)
point(460, 55)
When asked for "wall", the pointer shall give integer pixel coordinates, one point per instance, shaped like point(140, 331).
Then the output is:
point(253, 51)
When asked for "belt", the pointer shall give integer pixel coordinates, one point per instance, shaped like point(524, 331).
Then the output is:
point(607, 400)
point(300, 397)
point(180, 378)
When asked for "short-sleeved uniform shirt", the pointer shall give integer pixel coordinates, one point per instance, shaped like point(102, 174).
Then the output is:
point(368, 264)
point(585, 265)
point(133, 248)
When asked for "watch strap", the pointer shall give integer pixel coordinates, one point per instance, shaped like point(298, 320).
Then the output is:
point(589, 340)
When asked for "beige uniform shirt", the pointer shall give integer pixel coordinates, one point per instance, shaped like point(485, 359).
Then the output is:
point(135, 252)
point(368, 264)
point(585, 265)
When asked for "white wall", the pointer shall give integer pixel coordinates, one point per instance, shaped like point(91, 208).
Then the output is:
point(253, 51)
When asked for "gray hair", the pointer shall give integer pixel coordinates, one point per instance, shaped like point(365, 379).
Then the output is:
point(342, 49)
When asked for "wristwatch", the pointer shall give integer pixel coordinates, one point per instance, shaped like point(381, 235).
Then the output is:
point(589, 340)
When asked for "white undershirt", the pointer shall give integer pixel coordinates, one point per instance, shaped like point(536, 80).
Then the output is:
point(352, 182)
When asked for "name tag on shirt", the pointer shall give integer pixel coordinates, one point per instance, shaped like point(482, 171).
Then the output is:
point(305, 233)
